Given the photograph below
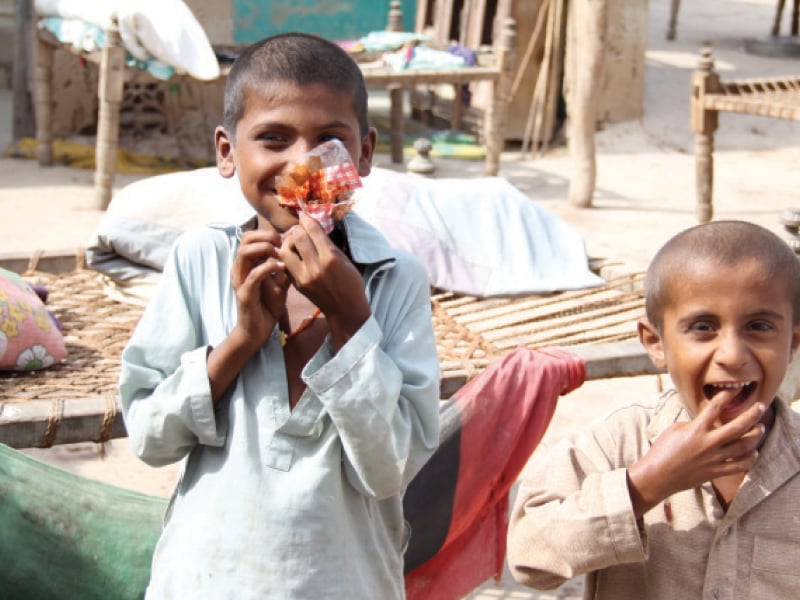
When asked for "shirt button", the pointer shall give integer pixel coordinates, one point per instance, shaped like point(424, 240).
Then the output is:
point(715, 593)
point(727, 532)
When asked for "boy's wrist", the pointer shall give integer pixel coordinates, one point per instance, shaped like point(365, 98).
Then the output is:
point(245, 343)
point(643, 497)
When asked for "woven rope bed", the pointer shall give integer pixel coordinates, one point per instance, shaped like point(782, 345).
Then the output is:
point(77, 400)
point(774, 97)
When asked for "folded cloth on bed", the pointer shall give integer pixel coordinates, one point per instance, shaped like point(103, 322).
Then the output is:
point(479, 237)
point(457, 504)
point(163, 29)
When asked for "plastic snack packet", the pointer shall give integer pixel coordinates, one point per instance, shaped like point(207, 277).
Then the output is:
point(322, 185)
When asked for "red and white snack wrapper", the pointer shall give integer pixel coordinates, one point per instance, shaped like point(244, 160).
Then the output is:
point(322, 185)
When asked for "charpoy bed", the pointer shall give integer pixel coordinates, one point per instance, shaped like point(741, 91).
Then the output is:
point(77, 400)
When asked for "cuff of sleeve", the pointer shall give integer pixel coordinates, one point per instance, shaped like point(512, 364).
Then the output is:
point(198, 393)
point(628, 536)
point(321, 375)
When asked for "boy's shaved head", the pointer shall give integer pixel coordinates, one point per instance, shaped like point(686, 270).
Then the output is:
point(297, 58)
point(724, 243)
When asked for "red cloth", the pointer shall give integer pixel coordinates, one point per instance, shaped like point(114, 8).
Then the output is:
point(504, 412)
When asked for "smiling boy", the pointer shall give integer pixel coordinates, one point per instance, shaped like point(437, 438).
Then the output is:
point(694, 495)
point(295, 373)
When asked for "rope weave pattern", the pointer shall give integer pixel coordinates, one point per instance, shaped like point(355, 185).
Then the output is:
point(470, 333)
point(778, 98)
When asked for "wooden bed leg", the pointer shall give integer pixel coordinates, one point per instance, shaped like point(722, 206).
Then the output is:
point(458, 107)
point(704, 173)
point(396, 122)
point(394, 22)
point(673, 19)
point(590, 17)
point(496, 115)
point(704, 123)
point(776, 25)
point(43, 100)
point(109, 93)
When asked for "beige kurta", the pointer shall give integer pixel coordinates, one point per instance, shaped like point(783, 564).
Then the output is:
point(573, 515)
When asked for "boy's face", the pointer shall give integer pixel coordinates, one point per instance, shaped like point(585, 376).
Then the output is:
point(280, 123)
point(726, 330)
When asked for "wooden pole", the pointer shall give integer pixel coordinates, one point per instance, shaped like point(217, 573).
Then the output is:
point(555, 76)
point(590, 19)
point(496, 114)
point(534, 46)
point(43, 100)
point(109, 92)
point(24, 124)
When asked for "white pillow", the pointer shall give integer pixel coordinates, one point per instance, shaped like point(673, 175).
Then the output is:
point(143, 220)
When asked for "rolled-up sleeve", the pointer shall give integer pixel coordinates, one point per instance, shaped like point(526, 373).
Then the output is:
point(381, 391)
point(572, 515)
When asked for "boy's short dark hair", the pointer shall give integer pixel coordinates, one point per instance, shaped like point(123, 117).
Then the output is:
point(726, 243)
point(298, 58)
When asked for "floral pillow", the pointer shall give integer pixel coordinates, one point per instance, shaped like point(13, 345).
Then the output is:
point(29, 336)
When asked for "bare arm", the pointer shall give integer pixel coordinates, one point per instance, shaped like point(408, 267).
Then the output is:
point(260, 282)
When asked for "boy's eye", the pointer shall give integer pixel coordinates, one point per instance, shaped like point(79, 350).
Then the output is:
point(761, 326)
point(701, 327)
point(331, 136)
point(271, 137)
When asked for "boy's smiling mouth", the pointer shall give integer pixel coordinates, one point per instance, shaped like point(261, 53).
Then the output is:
point(737, 391)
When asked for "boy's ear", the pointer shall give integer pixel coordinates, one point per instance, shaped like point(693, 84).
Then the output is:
point(224, 147)
point(651, 340)
point(795, 337)
point(367, 149)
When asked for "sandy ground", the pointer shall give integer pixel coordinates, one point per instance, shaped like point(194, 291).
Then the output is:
point(645, 194)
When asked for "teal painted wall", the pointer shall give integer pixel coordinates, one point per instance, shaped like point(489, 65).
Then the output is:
point(347, 19)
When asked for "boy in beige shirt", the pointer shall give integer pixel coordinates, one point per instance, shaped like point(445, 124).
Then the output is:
point(697, 494)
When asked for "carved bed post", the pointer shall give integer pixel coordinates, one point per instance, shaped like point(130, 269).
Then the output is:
point(704, 124)
point(394, 22)
point(496, 113)
point(591, 19)
point(109, 93)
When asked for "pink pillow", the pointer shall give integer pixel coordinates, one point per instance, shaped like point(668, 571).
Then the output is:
point(29, 336)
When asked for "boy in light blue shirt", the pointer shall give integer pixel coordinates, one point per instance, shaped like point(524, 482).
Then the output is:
point(294, 372)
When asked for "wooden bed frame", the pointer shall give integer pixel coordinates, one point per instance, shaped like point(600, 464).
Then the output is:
point(775, 97)
point(113, 74)
point(77, 400)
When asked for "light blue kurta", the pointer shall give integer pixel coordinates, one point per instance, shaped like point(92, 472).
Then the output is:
point(272, 503)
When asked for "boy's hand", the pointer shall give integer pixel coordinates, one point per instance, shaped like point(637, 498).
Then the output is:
point(687, 455)
point(327, 277)
point(258, 276)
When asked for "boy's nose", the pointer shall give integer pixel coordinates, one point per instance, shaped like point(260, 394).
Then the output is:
point(299, 150)
point(732, 350)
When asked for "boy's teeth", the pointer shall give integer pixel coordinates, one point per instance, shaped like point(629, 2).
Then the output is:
point(710, 389)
